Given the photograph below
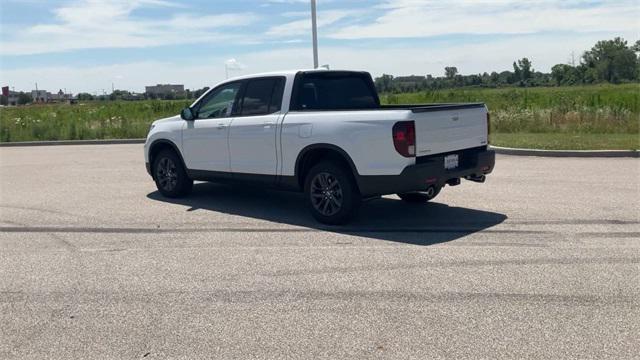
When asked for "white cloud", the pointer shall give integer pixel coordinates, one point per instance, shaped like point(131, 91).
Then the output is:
point(545, 31)
point(303, 26)
point(233, 64)
point(287, 1)
point(543, 50)
point(415, 18)
point(88, 24)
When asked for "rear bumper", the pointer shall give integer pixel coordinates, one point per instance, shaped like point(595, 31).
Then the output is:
point(429, 171)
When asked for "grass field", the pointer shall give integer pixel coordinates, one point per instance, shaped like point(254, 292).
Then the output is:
point(562, 141)
point(580, 117)
point(89, 120)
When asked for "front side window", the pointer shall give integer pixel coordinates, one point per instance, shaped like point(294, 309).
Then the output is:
point(262, 96)
point(219, 103)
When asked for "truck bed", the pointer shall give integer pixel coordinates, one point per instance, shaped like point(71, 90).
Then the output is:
point(417, 108)
point(442, 128)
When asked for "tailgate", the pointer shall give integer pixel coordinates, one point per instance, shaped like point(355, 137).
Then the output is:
point(444, 130)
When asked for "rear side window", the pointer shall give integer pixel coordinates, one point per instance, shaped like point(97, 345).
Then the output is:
point(262, 96)
point(335, 92)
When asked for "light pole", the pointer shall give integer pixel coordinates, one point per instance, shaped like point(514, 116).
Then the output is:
point(314, 32)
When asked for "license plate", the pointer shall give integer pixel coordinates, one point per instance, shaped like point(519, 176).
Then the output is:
point(451, 161)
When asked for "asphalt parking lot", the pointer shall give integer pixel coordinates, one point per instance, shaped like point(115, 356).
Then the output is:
point(541, 261)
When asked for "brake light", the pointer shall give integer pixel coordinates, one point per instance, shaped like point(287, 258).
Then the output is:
point(404, 138)
point(488, 128)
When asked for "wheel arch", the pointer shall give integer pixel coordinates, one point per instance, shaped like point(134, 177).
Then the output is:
point(161, 144)
point(314, 153)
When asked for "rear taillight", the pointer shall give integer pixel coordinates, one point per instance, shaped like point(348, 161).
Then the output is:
point(404, 138)
point(488, 128)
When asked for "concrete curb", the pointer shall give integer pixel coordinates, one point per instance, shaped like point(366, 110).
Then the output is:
point(73, 142)
point(566, 153)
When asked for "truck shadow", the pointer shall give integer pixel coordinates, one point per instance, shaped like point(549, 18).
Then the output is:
point(383, 219)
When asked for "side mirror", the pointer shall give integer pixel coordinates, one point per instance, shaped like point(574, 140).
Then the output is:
point(187, 114)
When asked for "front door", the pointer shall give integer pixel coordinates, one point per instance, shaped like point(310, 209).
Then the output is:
point(205, 139)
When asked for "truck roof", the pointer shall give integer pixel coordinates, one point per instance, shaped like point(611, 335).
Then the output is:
point(286, 73)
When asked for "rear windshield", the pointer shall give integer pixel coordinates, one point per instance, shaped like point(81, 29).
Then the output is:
point(335, 91)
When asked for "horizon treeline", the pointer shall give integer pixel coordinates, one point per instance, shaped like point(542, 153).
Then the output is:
point(608, 61)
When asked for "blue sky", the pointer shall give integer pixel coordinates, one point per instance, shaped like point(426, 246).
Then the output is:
point(86, 45)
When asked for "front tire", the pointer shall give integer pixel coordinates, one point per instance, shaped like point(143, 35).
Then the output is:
point(421, 196)
point(332, 195)
point(170, 175)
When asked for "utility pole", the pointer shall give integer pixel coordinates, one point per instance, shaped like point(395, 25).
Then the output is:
point(314, 34)
point(573, 58)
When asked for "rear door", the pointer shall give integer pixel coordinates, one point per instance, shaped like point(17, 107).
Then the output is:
point(252, 136)
point(450, 128)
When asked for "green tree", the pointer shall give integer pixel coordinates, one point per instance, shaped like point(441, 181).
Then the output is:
point(526, 70)
point(84, 96)
point(517, 73)
point(24, 98)
point(564, 74)
point(384, 83)
point(495, 78)
point(119, 95)
point(199, 92)
point(612, 61)
point(450, 72)
point(523, 71)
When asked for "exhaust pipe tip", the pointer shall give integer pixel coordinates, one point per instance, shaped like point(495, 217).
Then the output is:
point(476, 178)
point(453, 182)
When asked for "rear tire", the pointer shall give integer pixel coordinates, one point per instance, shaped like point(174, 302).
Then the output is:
point(170, 175)
point(421, 196)
point(332, 195)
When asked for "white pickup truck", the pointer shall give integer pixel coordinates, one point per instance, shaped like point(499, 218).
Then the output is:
point(322, 132)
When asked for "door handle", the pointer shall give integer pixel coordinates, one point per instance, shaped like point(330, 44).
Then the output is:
point(222, 125)
point(267, 123)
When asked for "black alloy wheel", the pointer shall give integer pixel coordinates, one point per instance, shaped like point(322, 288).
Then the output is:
point(326, 194)
point(166, 174)
point(170, 175)
point(332, 193)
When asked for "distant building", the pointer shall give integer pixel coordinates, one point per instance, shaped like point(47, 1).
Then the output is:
point(43, 96)
point(164, 89)
point(40, 96)
point(12, 99)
